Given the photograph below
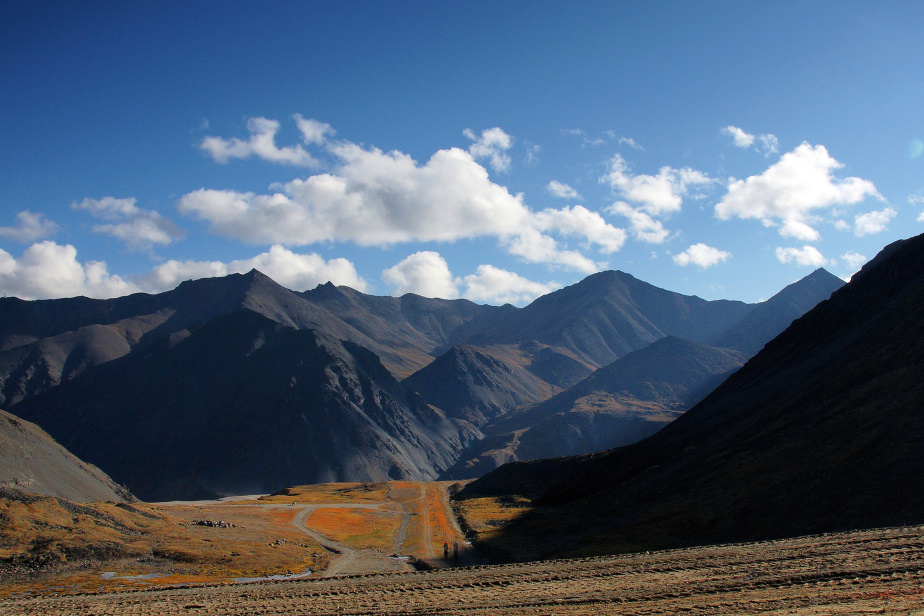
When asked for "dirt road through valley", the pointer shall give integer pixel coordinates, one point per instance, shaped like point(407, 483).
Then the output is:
point(348, 560)
point(427, 527)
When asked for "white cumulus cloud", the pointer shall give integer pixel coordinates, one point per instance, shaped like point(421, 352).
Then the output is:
point(313, 131)
point(534, 247)
point(655, 194)
point(873, 222)
point(581, 222)
point(702, 256)
point(47, 270)
point(262, 143)
point(136, 227)
point(806, 256)
point(292, 270)
point(561, 190)
point(741, 138)
point(799, 230)
point(374, 198)
point(792, 189)
point(425, 273)
point(853, 259)
point(32, 226)
point(643, 227)
point(767, 142)
point(492, 144)
point(498, 286)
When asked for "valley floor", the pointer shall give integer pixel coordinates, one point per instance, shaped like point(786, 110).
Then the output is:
point(877, 571)
point(313, 531)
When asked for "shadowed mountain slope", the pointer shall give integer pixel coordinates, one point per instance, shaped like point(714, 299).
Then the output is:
point(821, 431)
point(619, 404)
point(243, 404)
point(478, 384)
point(31, 461)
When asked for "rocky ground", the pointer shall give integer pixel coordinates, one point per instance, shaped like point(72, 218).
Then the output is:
point(878, 571)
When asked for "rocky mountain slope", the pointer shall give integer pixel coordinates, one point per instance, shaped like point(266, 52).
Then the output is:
point(820, 431)
point(244, 405)
point(565, 336)
point(31, 461)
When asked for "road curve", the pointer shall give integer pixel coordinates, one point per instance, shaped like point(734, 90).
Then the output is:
point(345, 556)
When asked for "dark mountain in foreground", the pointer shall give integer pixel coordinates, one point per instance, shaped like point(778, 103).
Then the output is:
point(244, 405)
point(622, 403)
point(821, 431)
point(31, 461)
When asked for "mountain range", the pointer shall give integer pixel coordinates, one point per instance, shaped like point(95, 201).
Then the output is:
point(821, 431)
point(236, 384)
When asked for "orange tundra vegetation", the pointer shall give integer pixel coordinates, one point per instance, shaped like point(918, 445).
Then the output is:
point(374, 529)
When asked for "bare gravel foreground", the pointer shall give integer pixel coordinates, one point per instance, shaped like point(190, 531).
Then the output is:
point(864, 572)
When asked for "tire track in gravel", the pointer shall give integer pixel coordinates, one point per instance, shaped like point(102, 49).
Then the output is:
point(427, 534)
point(345, 555)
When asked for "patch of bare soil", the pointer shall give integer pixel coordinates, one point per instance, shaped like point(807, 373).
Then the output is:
point(878, 571)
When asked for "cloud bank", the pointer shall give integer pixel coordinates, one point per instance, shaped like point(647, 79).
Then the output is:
point(376, 198)
point(294, 271)
point(47, 270)
point(427, 273)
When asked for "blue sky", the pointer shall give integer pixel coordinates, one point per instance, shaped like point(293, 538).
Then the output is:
point(488, 150)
